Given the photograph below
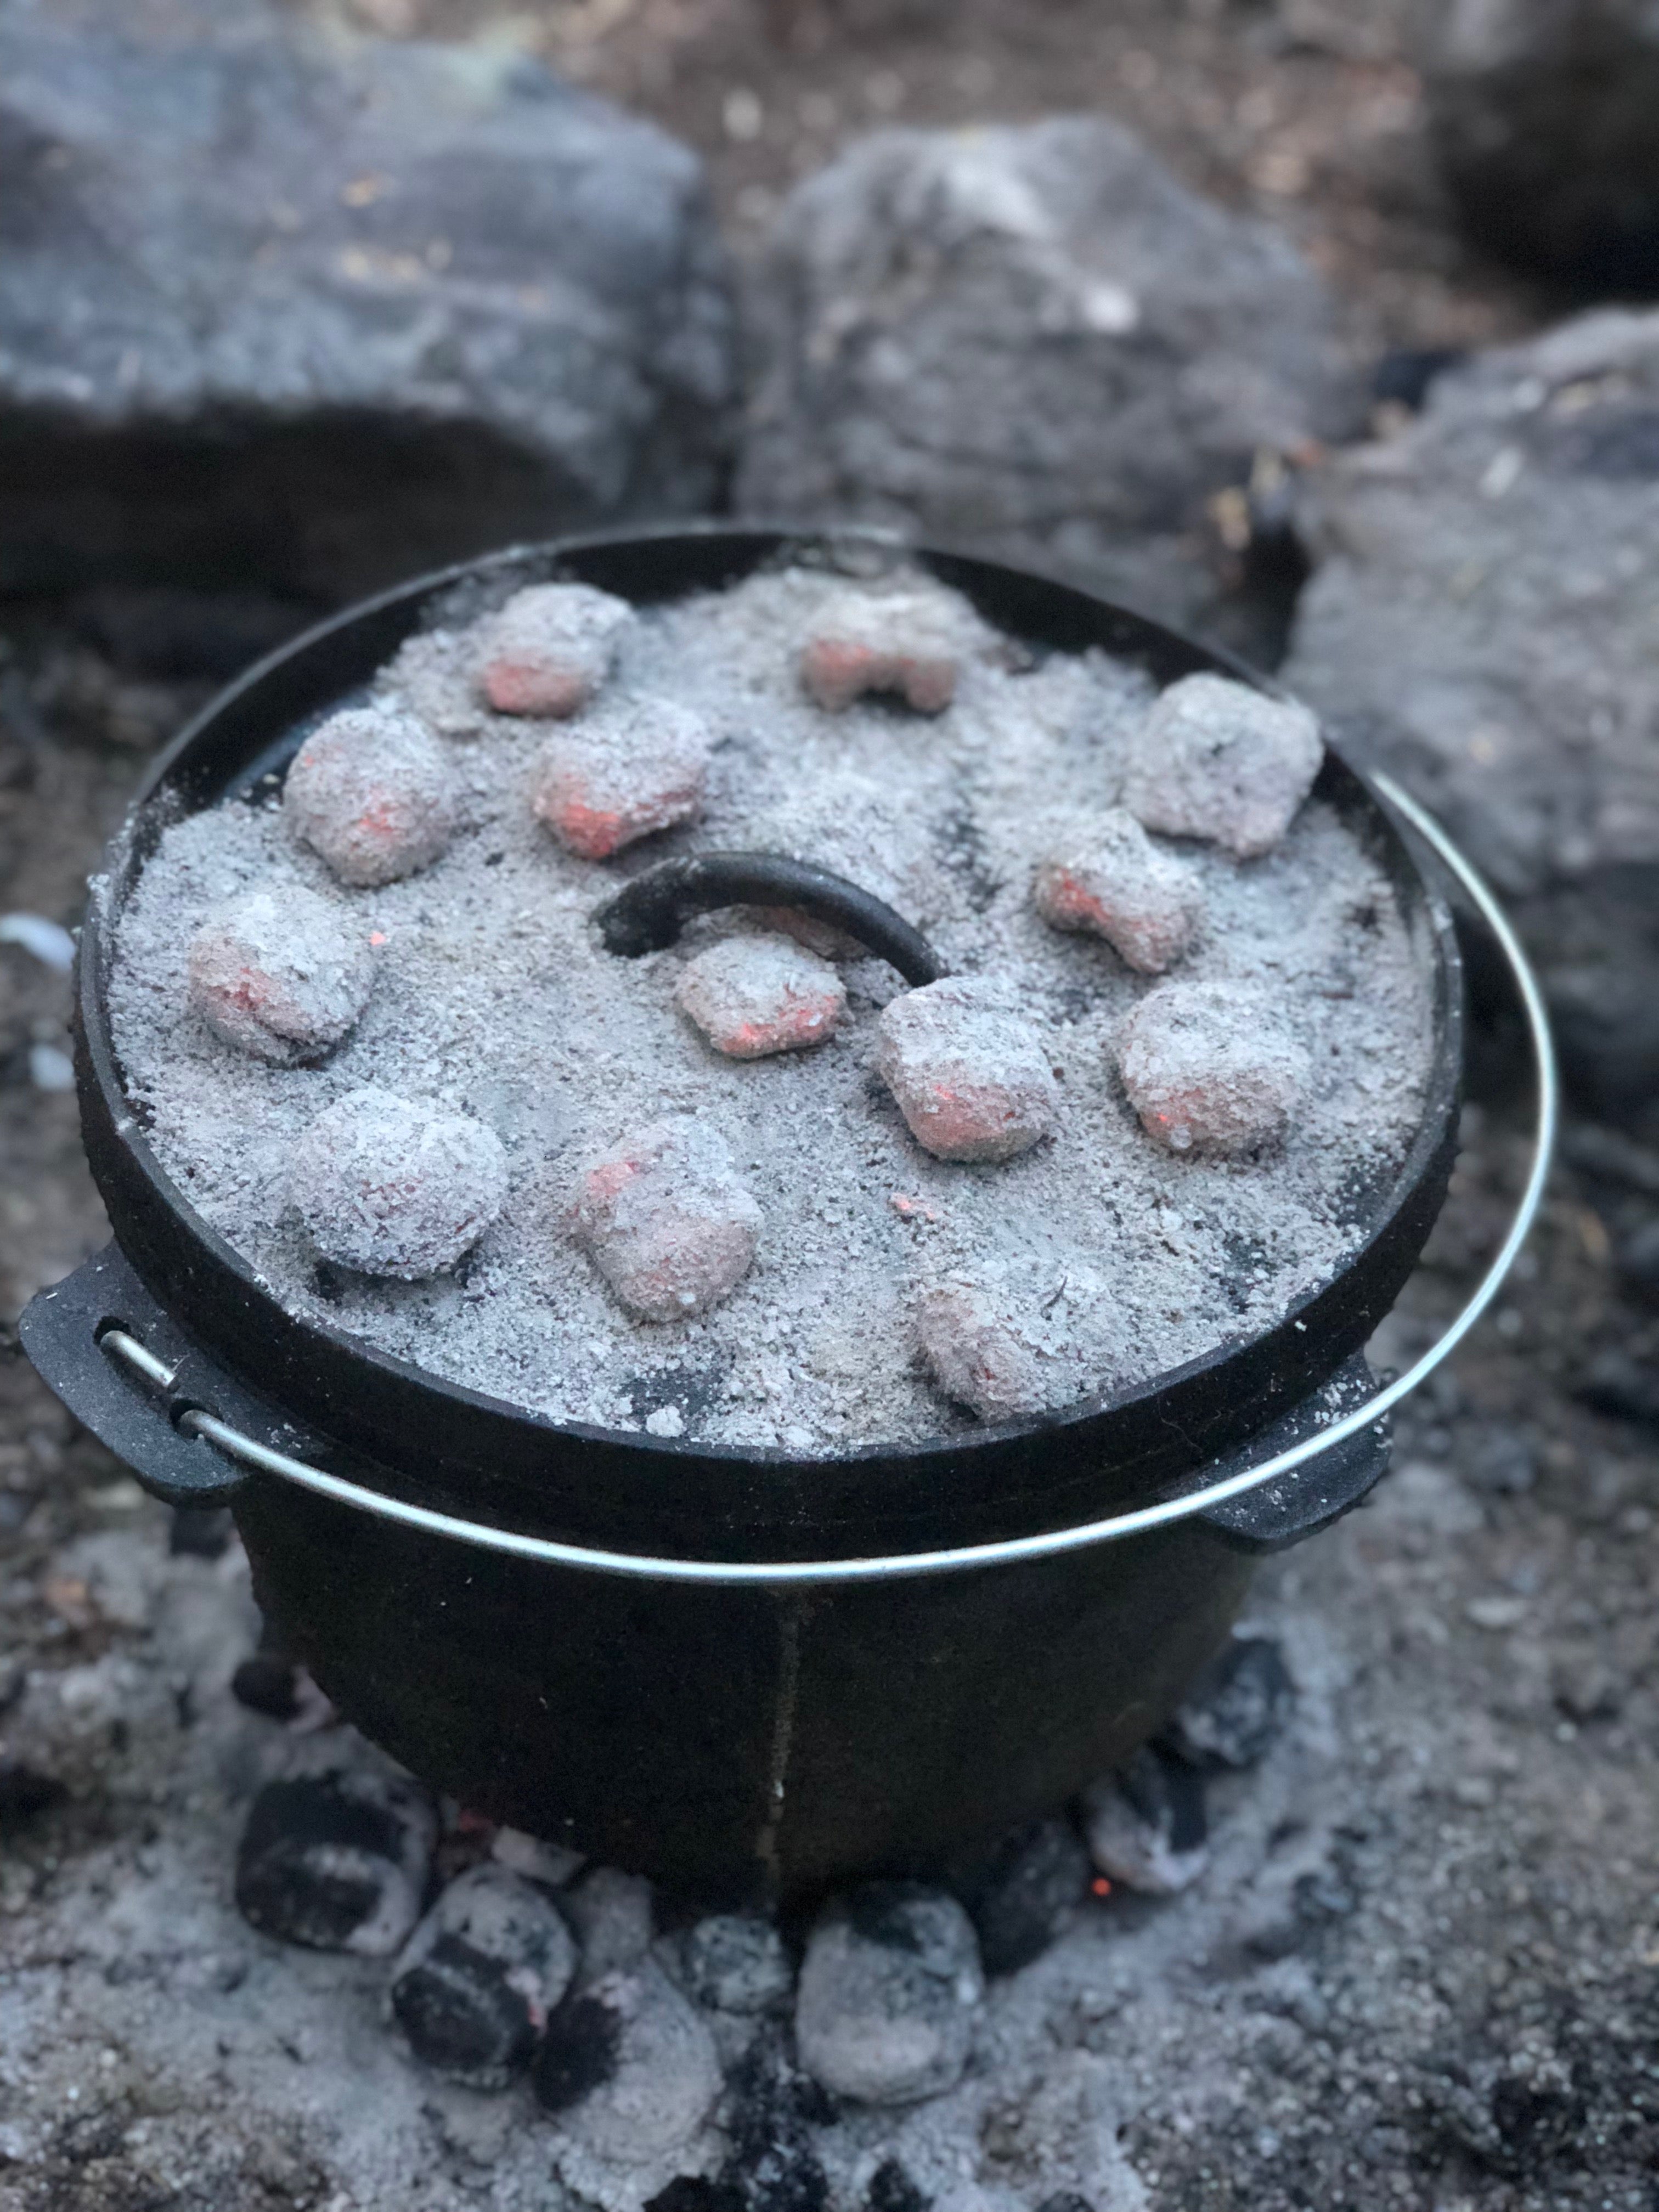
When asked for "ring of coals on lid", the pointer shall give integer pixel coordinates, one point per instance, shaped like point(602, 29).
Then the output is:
point(748, 1189)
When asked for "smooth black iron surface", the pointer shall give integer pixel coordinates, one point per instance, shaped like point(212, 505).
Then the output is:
point(651, 912)
point(734, 1740)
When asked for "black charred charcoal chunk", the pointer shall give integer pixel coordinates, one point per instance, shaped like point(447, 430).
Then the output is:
point(336, 1861)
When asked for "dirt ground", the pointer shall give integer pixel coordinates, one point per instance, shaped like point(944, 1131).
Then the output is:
point(1424, 1975)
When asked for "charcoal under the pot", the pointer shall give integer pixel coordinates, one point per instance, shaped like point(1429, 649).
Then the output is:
point(1019, 1898)
point(477, 1979)
point(630, 2067)
point(1146, 1824)
point(736, 1962)
point(336, 1861)
point(889, 1991)
point(1236, 1712)
point(611, 1914)
point(891, 2189)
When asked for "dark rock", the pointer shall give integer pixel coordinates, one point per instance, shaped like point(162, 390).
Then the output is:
point(336, 1861)
point(1480, 623)
point(1542, 112)
point(1020, 1898)
point(480, 1975)
point(1162, 343)
point(736, 1962)
point(889, 1991)
point(1236, 1712)
point(301, 317)
point(1146, 1824)
point(630, 2067)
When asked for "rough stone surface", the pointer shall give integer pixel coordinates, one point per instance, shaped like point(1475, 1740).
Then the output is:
point(751, 996)
point(549, 648)
point(1542, 114)
point(1480, 623)
point(666, 1220)
point(1217, 760)
point(281, 974)
point(396, 1187)
point(620, 773)
point(1147, 1825)
point(1209, 1069)
point(1108, 878)
point(971, 1075)
point(337, 1861)
point(1161, 343)
point(477, 1980)
point(374, 794)
point(319, 315)
point(889, 1992)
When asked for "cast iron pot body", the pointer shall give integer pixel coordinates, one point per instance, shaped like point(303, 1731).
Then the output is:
point(735, 1740)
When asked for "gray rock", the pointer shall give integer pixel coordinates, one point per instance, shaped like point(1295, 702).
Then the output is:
point(1034, 342)
point(313, 316)
point(477, 1980)
point(1481, 623)
point(1542, 112)
point(888, 1993)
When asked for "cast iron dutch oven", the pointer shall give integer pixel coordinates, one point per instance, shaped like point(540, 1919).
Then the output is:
point(736, 1740)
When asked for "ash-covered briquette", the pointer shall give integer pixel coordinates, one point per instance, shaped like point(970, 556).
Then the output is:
point(1146, 1824)
point(495, 998)
point(754, 995)
point(972, 1076)
point(668, 1224)
point(338, 1860)
point(906, 643)
point(1107, 877)
point(1215, 759)
point(631, 767)
point(889, 1989)
point(394, 1186)
point(374, 794)
point(281, 973)
point(1008, 1342)
point(549, 648)
point(477, 1980)
point(1210, 1069)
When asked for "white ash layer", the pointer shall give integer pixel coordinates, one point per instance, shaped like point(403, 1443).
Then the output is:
point(666, 1220)
point(1212, 1070)
point(1218, 760)
point(751, 996)
point(972, 1077)
point(906, 644)
point(373, 793)
point(550, 649)
point(631, 2069)
point(889, 1990)
point(1109, 879)
point(396, 1187)
point(281, 973)
point(475, 1984)
point(629, 768)
point(494, 996)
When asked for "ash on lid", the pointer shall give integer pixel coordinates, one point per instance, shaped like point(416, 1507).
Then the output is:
point(1098, 1253)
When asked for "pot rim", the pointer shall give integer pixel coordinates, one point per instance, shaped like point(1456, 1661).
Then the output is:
point(102, 1066)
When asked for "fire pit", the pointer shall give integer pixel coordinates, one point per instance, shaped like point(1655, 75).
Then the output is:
point(746, 1671)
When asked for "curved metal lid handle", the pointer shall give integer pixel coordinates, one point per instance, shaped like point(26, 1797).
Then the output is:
point(650, 912)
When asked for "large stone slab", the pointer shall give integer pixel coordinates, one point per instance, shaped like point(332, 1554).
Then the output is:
point(1035, 342)
point(1485, 621)
point(1543, 119)
point(320, 316)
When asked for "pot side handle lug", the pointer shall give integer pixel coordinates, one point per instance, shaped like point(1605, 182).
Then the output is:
point(1322, 1489)
point(61, 1330)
